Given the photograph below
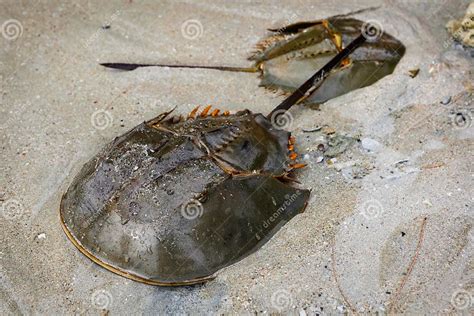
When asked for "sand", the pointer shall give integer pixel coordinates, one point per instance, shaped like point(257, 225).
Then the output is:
point(389, 224)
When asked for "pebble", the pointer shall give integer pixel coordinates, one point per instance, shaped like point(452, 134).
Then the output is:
point(341, 308)
point(311, 130)
point(370, 144)
point(344, 165)
point(446, 100)
point(414, 72)
point(328, 130)
point(319, 159)
point(41, 236)
point(401, 162)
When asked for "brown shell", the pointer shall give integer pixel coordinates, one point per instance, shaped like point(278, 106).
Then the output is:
point(176, 199)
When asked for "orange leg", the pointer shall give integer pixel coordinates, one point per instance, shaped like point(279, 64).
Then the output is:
point(205, 111)
point(298, 166)
point(293, 155)
point(192, 114)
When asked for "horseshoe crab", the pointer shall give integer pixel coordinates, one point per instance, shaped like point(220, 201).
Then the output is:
point(176, 199)
point(287, 57)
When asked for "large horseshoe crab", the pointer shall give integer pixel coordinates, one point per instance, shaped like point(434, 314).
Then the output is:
point(176, 199)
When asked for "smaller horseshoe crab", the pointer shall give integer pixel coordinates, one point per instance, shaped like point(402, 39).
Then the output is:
point(287, 57)
point(177, 198)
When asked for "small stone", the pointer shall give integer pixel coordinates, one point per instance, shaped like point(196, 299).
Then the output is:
point(446, 100)
point(401, 162)
point(370, 144)
point(319, 159)
point(311, 130)
point(328, 130)
point(413, 72)
point(41, 236)
point(344, 165)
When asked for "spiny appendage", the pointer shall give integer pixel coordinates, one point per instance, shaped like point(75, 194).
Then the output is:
point(278, 90)
point(271, 40)
point(334, 36)
point(293, 155)
point(193, 115)
point(264, 44)
point(205, 113)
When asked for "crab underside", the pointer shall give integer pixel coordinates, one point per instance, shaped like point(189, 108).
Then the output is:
point(291, 54)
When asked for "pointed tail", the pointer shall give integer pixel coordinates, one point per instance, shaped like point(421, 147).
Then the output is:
point(128, 67)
